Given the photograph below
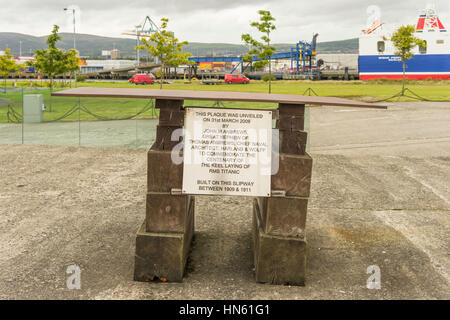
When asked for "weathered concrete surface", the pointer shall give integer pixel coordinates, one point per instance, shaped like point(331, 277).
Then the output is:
point(67, 205)
point(380, 196)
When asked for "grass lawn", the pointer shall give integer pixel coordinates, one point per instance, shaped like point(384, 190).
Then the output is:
point(56, 107)
point(360, 90)
point(122, 108)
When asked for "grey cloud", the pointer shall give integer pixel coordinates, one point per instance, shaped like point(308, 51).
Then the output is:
point(212, 20)
point(158, 6)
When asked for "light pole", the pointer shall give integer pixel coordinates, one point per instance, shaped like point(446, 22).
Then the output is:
point(138, 55)
point(74, 41)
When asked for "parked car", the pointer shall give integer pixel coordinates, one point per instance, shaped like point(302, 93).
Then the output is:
point(142, 79)
point(236, 78)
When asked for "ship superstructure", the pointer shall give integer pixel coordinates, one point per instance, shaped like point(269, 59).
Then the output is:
point(377, 57)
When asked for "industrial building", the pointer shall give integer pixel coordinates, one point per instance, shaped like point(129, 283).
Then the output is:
point(100, 65)
point(111, 54)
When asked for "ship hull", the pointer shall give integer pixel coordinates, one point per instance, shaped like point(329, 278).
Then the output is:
point(426, 66)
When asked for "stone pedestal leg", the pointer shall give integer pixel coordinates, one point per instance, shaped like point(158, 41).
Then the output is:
point(163, 255)
point(163, 240)
point(278, 259)
point(279, 222)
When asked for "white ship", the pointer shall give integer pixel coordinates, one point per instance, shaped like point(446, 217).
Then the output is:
point(377, 58)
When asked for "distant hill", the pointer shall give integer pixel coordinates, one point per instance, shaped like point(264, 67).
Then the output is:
point(209, 49)
point(92, 45)
point(342, 46)
point(87, 45)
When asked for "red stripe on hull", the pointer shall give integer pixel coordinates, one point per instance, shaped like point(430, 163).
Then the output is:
point(408, 76)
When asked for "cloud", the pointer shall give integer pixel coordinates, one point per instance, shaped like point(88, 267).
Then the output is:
point(211, 20)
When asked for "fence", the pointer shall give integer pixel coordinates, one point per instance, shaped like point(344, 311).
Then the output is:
point(102, 122)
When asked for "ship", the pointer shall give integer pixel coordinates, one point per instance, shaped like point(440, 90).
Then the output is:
point(377, 59)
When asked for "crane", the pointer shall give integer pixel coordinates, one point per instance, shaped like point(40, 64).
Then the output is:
point(145, 29)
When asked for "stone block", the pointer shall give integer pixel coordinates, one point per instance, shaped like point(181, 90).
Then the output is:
point(163, 174)
point(165, 138)
point(283, 216)
point(171, 118)
point(291, 109)
point(278, 260)
point(291, 122)
point(293, 141)
point(163, 255)
point(165, 104)
point(166, 212)
point(294, 175)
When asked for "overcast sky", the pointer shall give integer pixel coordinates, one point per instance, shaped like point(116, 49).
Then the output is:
point(212, 20)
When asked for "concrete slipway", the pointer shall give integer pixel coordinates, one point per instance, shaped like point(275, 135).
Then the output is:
point(380, 196)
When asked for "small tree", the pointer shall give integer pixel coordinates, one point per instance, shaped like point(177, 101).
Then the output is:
point(8, 65)
point(263, 50)
point(181, 59)
point(166, 48)
point(53, 61)
point(404, 42)
point(72, 61)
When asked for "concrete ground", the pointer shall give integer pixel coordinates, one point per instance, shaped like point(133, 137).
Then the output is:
point(380, 196)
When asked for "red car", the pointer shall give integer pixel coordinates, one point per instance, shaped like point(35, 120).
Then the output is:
point(236, 78)
point(142, 79)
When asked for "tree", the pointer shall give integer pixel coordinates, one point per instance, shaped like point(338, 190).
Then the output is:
point(53, 61)
point(72, 61)
point(263, 50)
point(166, 48)
point(404, 42)
point(8, 65)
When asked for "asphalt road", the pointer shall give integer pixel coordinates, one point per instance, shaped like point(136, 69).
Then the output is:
point(406, 128)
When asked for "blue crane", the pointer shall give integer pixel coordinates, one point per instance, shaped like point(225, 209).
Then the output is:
point(301, 57)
